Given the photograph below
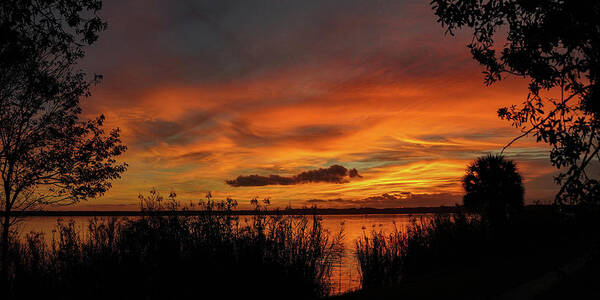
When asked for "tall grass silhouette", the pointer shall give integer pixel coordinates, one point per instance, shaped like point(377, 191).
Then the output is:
point(387, 258)
point(461, 256)
point(212, 255)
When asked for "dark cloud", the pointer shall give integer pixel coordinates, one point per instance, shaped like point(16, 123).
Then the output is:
point(203, 42)
point(333, 174)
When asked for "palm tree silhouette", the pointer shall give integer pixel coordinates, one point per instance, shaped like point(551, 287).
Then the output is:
point(493, 188)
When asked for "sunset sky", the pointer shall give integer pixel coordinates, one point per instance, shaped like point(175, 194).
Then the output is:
point(206, 91)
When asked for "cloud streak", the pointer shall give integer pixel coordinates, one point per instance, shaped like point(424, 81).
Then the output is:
point(333, 174)
point(205, 91)
point(392, 200)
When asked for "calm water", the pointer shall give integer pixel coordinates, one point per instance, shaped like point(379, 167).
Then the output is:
point(345, 276)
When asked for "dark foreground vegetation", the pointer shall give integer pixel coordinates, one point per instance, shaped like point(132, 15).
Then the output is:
point(213, 256)
point(499, 250)
point(541, 253)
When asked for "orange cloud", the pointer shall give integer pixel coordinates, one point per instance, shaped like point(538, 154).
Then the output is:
point(378, 89)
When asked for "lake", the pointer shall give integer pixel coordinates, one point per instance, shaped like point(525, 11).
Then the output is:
point(345, 276)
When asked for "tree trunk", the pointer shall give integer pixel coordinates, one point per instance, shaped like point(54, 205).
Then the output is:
point(5, 237)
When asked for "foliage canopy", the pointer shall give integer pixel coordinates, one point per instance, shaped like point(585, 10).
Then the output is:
point(47, 153)
point(555, 44)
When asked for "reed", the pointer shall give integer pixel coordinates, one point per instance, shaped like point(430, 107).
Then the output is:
point(464, 254)
point(388, 258)
point(212, 255)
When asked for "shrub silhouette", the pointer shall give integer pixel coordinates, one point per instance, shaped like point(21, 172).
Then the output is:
point(493, 188)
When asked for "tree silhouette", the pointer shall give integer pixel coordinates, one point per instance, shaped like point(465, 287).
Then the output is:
point(556, 45)
point(493, 188)
point(48, 155)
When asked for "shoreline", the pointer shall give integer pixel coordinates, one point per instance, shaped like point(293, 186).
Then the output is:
point(300, 211)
